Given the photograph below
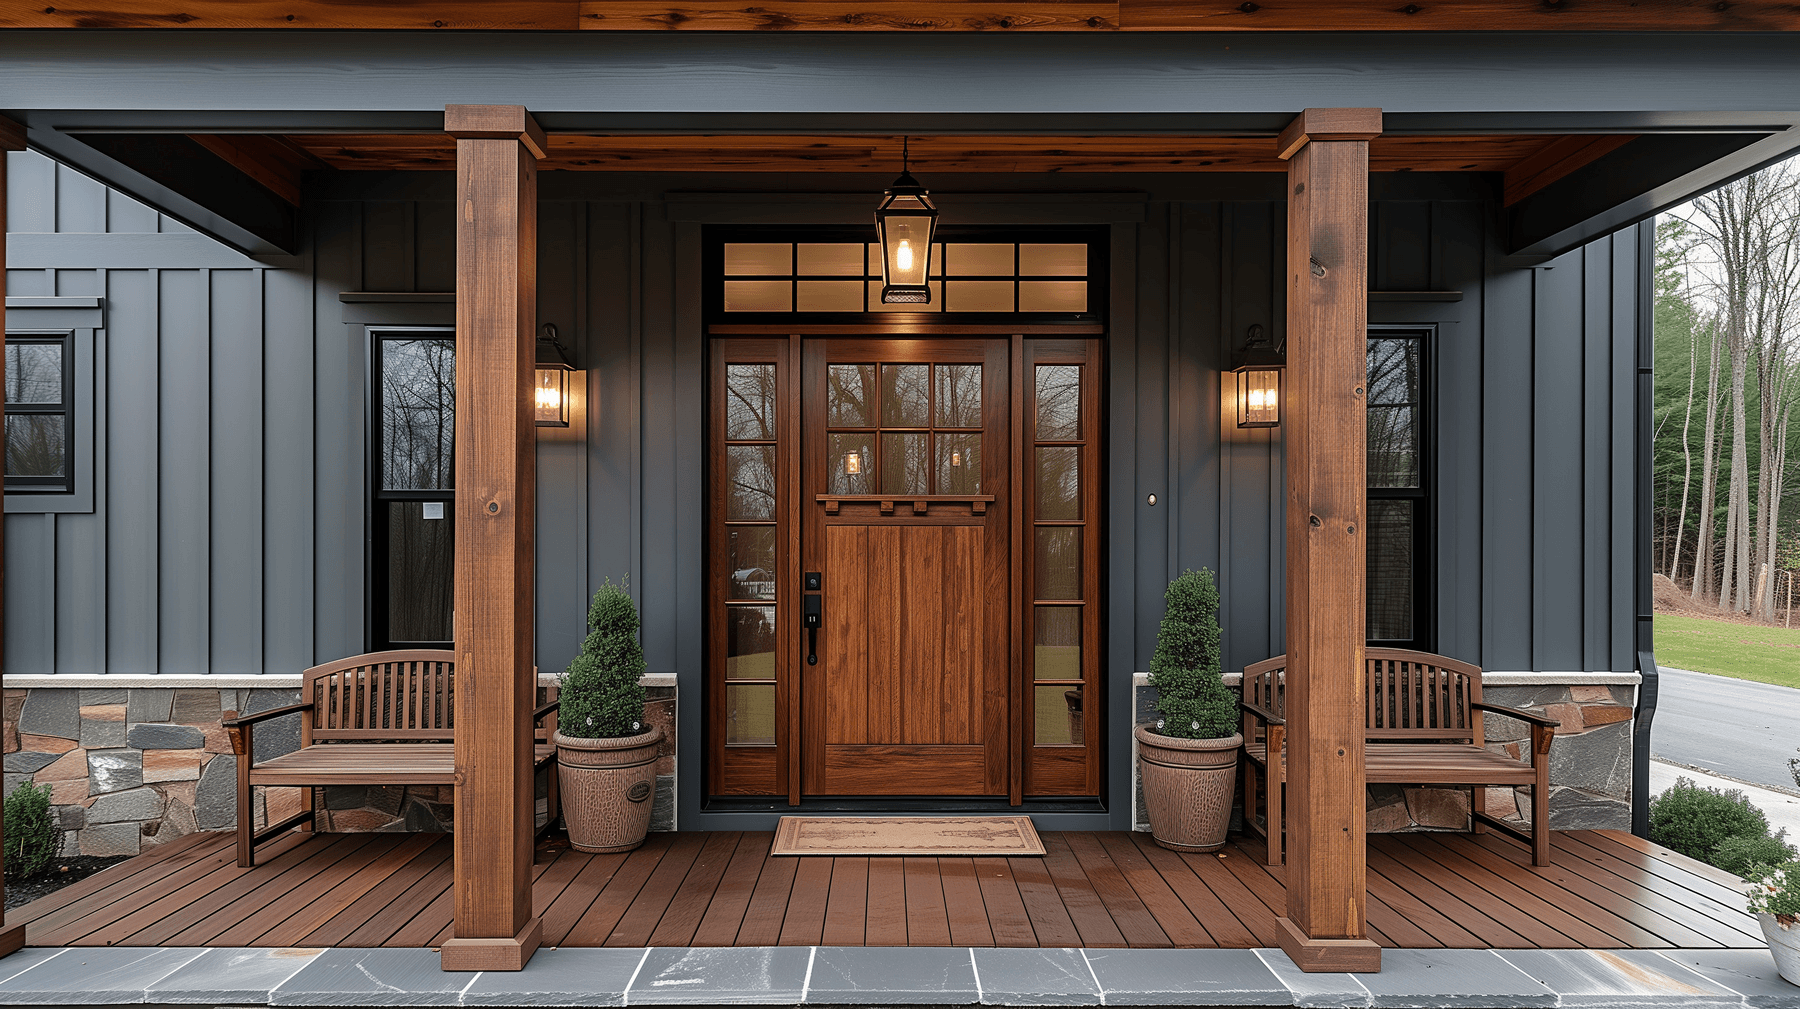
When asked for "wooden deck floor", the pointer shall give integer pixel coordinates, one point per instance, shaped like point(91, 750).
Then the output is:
point(1606, 890)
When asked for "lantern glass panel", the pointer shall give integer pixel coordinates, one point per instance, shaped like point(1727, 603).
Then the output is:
point(552, 397)
point(1259, 397)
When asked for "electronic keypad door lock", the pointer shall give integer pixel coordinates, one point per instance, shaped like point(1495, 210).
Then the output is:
point(812, 617)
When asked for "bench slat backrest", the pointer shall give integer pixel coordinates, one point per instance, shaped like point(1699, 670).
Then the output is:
point(1409, 695)
point(398, 695)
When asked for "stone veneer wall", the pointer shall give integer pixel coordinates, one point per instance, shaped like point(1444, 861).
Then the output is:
point(1590, 763)
point(132, 768)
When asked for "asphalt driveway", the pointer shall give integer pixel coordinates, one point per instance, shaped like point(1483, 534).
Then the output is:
point(1738, 728)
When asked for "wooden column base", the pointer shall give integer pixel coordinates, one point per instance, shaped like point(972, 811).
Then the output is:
point(12, 940)
point(493, 954)
point(1321, 956)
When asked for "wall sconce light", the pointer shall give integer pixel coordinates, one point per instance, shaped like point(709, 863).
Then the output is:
point(553, 374)
point(904, 223)
point(1258, 371)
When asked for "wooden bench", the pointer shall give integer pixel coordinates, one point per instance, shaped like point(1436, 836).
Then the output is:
point(385, 718)
point(1422, 726)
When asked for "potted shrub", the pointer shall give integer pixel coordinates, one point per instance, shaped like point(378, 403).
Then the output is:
point(1775, 900)
point(606, 760)
point(1188, 760)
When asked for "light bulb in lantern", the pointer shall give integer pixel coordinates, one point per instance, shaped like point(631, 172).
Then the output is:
point(852, 464)
point(903, 256)
point(956, 458)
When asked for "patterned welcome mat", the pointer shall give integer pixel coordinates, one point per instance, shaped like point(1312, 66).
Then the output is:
point(907, 835)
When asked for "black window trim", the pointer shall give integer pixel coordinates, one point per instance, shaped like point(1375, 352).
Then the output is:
point(66, 483)
point(1424, 495)
point(375, 608)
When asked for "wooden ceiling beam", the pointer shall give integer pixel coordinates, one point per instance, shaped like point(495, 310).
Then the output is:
point(274, 162)
point(1558, 159)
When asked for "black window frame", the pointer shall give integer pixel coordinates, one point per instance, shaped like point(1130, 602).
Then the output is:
point(1423, 496)
point(64, 484)
point(378, 617)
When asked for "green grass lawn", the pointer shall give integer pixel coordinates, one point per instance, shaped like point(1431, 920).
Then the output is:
point(1746, 651)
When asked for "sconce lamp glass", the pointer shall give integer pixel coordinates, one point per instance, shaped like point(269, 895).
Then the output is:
point(554, 375)
point(904, 222)
point(1258, 397)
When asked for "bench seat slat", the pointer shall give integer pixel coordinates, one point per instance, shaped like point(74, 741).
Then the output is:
point(369, 764)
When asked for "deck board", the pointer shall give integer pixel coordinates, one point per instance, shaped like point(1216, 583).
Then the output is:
point(1604, 890)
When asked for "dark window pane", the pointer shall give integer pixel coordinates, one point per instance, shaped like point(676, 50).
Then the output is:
point(1059, 402)
point(1059, 482)
point(750, 402)
point(904, 466)
point(1393, 372)
point(905, 395)
point(750, 481)
point(418, 414)
point(421, 561)
point(34, 372)
point(750, 714)
point(34, 445)
point(958, 463)
point(1057, 639)
point(1393, 446)
point(849, 392)
point(958, 395)
point(852, 463)
point(750, 643)
point(1059, 720)
point(1390, 570)
point(1058, 562)
point(752, 561)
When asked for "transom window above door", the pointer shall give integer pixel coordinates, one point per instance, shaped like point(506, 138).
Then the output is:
point(903, 428)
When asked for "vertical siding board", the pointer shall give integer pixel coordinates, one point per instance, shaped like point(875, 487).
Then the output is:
point(339, 488)
point(131, 494)
point(81, 538)
point(1150, 402)
point(434, 247)
point(1196, 378)
point(1458, 234)
point(1507, 430)
point(237, 472)
point(126, 216)
point(656, 584)
point(287, 471)
point(80, 203)
point(30, 194)
point(609, 353)
point(185, 475)
point(1557, 448)
point(561, 454)
point(1252, 554)
point(30, 609)
point(387, 248)
point(1596, 470)
point(1628, 272)
point(1406, 246)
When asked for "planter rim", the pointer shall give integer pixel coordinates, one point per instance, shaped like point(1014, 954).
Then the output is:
point(1146, 734)
point(607, 742)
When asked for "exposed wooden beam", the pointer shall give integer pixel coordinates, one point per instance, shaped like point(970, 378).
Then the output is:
point(496, 505)
point(1325, 928)
point(1557, 159)
point(12, 138)
point(273, 162)
point(923, 15)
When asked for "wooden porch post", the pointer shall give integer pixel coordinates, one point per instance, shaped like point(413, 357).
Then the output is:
point(497, 147)
point(12, 138)
point(1327, 151)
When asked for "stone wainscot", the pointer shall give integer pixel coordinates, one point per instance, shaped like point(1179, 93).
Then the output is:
point(132, 767)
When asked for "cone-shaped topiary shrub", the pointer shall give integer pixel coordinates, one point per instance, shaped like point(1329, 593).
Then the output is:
point(602, 693)
point(1190, 694)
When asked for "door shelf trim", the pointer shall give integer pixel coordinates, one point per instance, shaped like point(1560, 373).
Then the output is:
point(920, 502)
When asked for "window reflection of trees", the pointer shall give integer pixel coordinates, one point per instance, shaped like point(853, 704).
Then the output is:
point(750, 402)
point(418, 414)
point(1058, 402)
point(1393, 407)
point(35, 442)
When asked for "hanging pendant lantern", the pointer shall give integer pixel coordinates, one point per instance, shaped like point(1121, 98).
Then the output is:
point(904, 223)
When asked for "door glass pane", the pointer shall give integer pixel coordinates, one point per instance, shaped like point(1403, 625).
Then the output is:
point(828, 296)
point(752, 550)
point(750, 643)
point(750, 481)
point(759, 296)
point(750, 402)
point(831, 259)
point(958, 395)
point(852, 462)
point(758, 259)
point(904, 467)
point(1058, 562)
point(1059, 402)
point(959, 463)
point(905, 395)
point(34, 373)
point(1059, 716)
point(1057, 655)
point(978, 296)
point(1053, 295)
point(850, 394)
point(421, 562)
point(972, 259)
point(418, 414)
point(750, 714)
point(1059, 483)
point(1053, 260)
point(34, 445)
point(1390, 570)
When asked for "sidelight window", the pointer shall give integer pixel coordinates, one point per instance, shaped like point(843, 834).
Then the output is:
point(750, 544)
point(1398, 570)
point(413, 520)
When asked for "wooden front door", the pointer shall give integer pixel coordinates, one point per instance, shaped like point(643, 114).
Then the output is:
point(905, 511)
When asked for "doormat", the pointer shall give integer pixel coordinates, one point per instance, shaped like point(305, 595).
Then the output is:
point(907, 835)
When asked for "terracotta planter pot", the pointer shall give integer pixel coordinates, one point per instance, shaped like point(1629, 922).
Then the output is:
point(1188, 786)
point(1784, 945)
point(608, 787)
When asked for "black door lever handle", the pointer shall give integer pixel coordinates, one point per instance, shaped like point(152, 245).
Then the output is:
point(812, 615)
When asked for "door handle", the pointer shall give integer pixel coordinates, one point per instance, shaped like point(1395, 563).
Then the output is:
point(812, 616)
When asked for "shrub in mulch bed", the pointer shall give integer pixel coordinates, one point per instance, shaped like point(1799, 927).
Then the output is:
point(61, 873)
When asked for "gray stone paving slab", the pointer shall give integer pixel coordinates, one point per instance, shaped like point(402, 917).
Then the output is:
point(357, 977)
point(1315, 991)
point(1749, 972)
point(98, 975)
point(1582, 977)
point(1035, 977)
point(751, 974)
point(892, 975)
point(1445, 978)
point(25, 959)
point(224, 976)
point(1186, 977)
point(560, 977)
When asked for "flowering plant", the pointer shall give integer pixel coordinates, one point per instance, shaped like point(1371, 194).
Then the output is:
point(1774, 890)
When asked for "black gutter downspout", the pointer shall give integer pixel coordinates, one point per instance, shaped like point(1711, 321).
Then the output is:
point(1644, 641)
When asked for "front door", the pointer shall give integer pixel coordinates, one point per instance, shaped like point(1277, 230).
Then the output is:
point(905, 508)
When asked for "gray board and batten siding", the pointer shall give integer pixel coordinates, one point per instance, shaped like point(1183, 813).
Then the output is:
point(229, 533)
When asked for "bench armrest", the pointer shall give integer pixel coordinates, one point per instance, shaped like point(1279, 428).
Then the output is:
point(540, 714)
point(263, 716)
point(1519, 713)
point(1268, 717)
